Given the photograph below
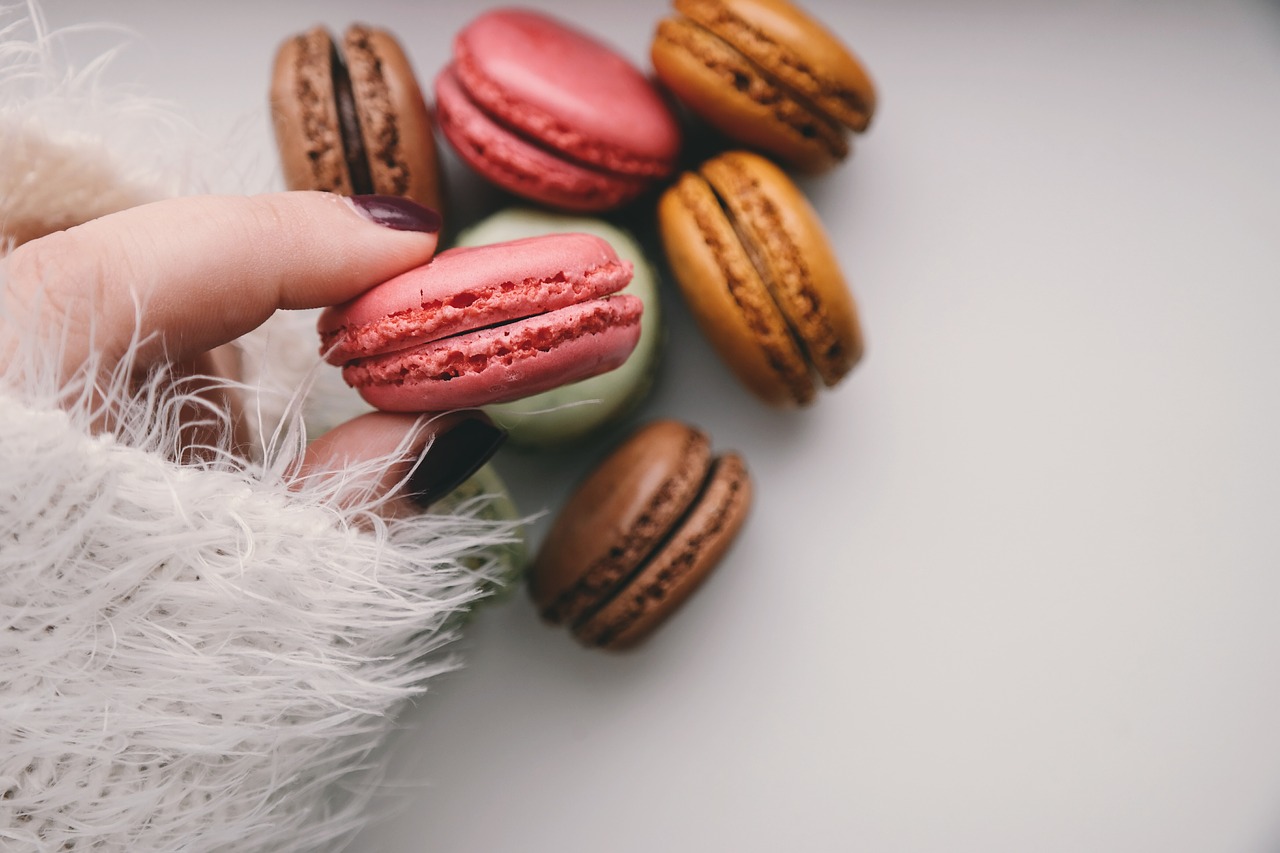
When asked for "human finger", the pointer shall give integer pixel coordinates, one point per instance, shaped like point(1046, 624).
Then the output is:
point(172, 279)
point(434, 454)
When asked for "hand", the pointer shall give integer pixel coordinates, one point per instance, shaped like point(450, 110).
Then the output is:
point(218, 628)
point(165, 286)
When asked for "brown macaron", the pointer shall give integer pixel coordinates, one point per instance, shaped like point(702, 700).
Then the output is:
point(639, 535)
point(767, 75)
point(760, 277)
point(353, 121)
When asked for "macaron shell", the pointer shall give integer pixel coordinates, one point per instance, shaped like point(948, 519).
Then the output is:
point(501, 363)
point(616, 517)
point(795, 49)
point(305, 115)
point(776, 221)
point(680, 565)
point(727, 296)
point(394, 122)
point(463, 287)
point(568, 413)
point(521, 167)
point(484, 496)
point(551, 82)
point(731, 93)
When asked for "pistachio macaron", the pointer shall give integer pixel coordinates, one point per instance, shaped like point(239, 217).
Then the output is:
point(760, 277)
point(484, 497)
point(768, 75)
point(566, 414)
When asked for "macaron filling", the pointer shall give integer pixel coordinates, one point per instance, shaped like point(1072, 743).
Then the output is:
point(353, 150)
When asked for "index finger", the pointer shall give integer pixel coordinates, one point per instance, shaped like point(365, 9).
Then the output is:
point(185, 275)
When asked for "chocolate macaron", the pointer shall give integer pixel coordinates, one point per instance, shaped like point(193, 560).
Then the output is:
point(353, 120)
point(760, 277)
point(639, 535)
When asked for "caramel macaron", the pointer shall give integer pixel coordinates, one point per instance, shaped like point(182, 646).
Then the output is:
point(639, 535)
point(353, 121)
point(767, 75)
point(760, 277)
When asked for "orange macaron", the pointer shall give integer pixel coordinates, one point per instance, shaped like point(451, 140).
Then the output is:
point(760, 277)
point(768, 75)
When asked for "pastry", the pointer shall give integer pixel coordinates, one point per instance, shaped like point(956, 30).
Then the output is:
point(484, 496)
point(761, 279)
point(352, 121)
point(571, 412)
point(639, 535)
point(767, 75)
point(551, 114)
point(486, 324)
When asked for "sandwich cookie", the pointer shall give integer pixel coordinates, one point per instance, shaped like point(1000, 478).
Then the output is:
point(352, 121)
point(551, 114)
point(486, 324)
point(484, 497)
point(571, 412)
point(767, 75)
point(639, 535)
point(760, 277)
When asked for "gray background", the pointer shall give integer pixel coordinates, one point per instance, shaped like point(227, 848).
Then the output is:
point(1013, 586)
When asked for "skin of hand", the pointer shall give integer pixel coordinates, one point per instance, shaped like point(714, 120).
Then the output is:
point(174, 281)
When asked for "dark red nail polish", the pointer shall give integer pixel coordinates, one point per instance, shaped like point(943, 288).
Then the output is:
point(397, 213)
point(463, 443)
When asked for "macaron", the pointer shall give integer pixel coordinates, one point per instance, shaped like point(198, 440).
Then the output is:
point(486, 324)
point(484, 497)
point(639, 535)
point(760, 277)
point(551, 114)
point(571, 412)
point(352, 120)
point(767, 75)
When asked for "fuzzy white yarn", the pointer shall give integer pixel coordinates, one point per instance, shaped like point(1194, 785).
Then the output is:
point(189, 656)
point(194, 656)
point(61, 120)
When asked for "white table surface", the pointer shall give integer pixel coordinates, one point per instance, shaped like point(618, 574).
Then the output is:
point(1014, 585)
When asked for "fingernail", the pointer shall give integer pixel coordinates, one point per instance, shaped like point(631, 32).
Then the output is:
point(397, 213)
point(458, 451)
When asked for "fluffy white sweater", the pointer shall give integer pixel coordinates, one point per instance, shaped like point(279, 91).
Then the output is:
point(192, 656)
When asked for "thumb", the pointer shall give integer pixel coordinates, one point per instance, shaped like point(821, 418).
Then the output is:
point(185, 275)
point(433, 455)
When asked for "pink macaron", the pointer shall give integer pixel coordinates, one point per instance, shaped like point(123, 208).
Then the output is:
point(550, 113)
point(486, 325)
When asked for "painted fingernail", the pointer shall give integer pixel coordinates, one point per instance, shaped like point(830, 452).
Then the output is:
point(460, 447)
point(397, 213)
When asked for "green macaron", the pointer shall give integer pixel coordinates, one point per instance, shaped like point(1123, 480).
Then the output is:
point(566, 414)
point(484, 497)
